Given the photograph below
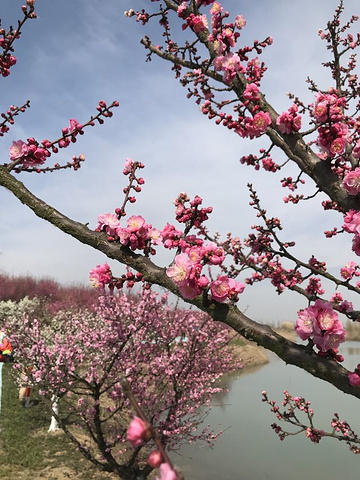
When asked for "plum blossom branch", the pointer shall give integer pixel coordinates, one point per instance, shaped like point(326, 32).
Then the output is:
point(290, 352)
point(30, 155)
point(8, 117)
point(7, 39)
point(219, 40)
point(295, 406)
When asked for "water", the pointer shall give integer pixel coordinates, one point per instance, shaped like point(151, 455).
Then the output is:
point(250, 449)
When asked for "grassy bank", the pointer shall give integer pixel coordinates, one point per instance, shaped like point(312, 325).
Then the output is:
point(27, 451)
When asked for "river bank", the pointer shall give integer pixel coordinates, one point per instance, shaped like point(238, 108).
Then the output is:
point(252, 355)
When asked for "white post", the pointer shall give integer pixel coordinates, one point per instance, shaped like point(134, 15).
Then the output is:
point(55, 408)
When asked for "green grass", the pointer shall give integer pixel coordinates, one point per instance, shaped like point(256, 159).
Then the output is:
point(26, 449)
point(237, 341)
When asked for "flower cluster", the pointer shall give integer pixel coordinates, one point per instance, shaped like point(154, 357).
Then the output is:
point(341, 430)
point(289, 121)
point(328, 107)
point(7, 59)
point(352, 180)
point(193, 252)
point(193, 215)
point(137, 235)
point(340, 304)
point(30, 154)
point(333, 132)
point(349, 270)
point(254, 126)
point(332, 139)
point(100, 276)
point(321, 323)
point(230, 65)
point(352, 225)
point(186, 272)
point(198, 23)
point(314, 435)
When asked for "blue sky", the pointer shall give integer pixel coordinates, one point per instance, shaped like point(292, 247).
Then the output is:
point(81, 51)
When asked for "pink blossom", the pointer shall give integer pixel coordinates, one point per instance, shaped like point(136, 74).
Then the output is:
point(166, 472)
point(181, 268)
point(109, 223)
point(228, 37)
point(305, 323)
point(224, 287)
point(124, 235)
point(129, 166)
point(352, 181)
point(332, 138)
point(314, 435)
point(336, 298)
point(348, 270)
point(181, 9)
point(321, 322)
point(170, 236)
point(190, 289)
point(75, 126)
point(199, 23)
point(328, 107)
point(337, 147)
point(257, 125)
point(135, 223)
point(331, 338)
point(18, 149)
point(155, 459)
point(354, 379)
point(356, 244)
point(100, 276)
point(346, 306)
point(230, 64)
point(240, 22)
point(219, 47)
point(216, 8)
point(352, 222)
point(155, 236)
point(325, 315)
point(137, 432)
point(195, 253)
point(289, 121)
point(251, 92)
point(213, 254)
point(218, 63)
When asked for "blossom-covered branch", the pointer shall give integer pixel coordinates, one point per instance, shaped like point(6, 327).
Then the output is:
point(263, 335)
point(293, 407)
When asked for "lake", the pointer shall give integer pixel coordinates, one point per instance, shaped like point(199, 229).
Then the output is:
point(250, 450)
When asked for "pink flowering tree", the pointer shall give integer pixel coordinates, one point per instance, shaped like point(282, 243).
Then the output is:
point(84, 359)
point(321, 141)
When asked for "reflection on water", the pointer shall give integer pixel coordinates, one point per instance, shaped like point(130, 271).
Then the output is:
point(353, 350)
point(250, 450)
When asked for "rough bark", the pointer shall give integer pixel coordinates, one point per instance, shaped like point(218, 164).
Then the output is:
point(291, 353)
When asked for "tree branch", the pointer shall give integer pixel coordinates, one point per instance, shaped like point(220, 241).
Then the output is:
point(290, 352)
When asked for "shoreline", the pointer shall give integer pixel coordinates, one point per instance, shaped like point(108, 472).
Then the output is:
point(252, 355)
